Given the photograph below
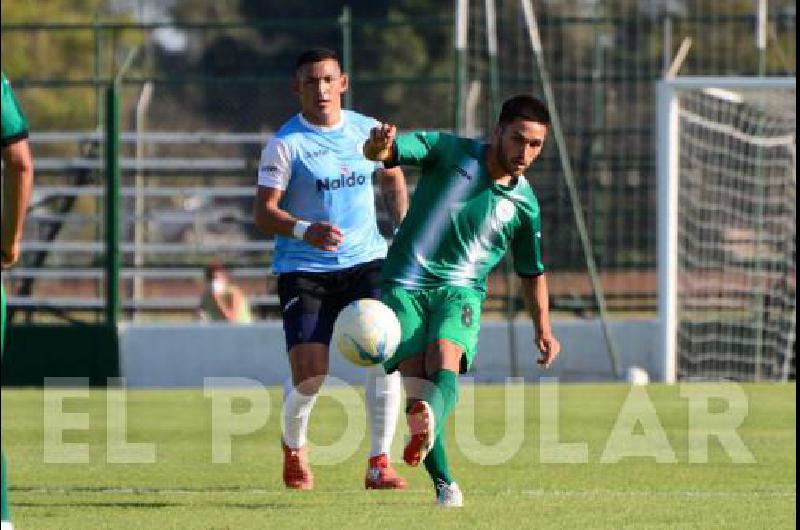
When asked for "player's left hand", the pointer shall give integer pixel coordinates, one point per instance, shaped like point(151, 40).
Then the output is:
point(548, 347)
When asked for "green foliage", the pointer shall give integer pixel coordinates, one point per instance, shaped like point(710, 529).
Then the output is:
point(61, 55)
point(392, 55)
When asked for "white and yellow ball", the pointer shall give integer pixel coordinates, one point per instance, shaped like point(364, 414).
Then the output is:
point(366, 332)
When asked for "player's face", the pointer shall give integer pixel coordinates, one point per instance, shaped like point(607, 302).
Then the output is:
point(518, 144)
point(320, 87)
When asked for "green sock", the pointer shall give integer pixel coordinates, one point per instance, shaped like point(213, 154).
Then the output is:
point(442, 397)
point(436, 463)
point(6, 516)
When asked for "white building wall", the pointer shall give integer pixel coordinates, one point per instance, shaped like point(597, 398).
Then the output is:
point(167, 356)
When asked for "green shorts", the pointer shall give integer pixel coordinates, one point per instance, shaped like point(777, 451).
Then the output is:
point(451, 313)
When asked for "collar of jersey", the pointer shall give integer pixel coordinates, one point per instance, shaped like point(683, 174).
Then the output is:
point(508, 189)
point(321, 128)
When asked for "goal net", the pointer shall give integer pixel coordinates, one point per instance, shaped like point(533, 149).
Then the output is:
point(727, 236)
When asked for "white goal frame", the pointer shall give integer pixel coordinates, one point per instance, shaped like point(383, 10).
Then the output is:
point(667, 174)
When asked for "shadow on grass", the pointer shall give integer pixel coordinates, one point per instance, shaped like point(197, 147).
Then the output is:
point(132, 489)
point(260, 505)
point(119, 504)
point(150, 505)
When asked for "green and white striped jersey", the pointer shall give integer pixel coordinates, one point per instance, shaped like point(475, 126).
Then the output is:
point(460, 223)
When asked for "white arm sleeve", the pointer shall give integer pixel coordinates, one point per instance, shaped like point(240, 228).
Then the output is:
point(275, 168)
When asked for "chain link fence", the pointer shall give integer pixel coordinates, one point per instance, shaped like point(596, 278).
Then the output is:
point(199, 100)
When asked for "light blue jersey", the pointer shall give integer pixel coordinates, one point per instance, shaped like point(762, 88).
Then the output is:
point(325, 177)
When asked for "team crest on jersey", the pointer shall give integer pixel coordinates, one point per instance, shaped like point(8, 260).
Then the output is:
point(504, 210)
point(466, 315)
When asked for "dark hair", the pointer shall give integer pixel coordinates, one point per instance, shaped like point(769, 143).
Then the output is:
point(315, 55)
point(213, 268)
point(525, 107)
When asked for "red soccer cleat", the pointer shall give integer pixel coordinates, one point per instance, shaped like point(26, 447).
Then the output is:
point(381, 476)
point(296, 471)
point(420, 425)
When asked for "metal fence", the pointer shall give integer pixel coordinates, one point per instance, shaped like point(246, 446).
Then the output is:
point(198, 100)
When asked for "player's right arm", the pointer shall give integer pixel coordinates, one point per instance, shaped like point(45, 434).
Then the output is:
point(274, 174)
point(17, 184)
point(18, 176)
point(272, 220)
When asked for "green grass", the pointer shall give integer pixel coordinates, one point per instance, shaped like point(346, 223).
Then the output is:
point(185, 490)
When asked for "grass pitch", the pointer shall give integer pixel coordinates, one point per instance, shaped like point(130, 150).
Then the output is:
point(184, 489)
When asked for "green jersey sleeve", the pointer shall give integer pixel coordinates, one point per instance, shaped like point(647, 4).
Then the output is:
point(14, 125)
point(418, 148)
point(526, 247)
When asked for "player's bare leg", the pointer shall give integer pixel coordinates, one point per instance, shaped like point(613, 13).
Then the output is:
point(309, 363)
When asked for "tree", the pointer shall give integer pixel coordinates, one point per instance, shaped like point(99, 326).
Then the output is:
point(257, 59)
point(61, 55)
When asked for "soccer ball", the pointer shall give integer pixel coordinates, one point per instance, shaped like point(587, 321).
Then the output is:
point(366, 332)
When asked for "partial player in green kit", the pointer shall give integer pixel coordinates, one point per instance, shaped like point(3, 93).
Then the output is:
point(17, 183)
point(471, 205)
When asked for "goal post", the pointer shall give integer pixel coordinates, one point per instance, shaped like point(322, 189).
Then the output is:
point(726, 252)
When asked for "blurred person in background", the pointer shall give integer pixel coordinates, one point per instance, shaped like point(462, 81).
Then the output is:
point(222, 300)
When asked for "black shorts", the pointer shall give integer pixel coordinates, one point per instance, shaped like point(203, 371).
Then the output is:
point(310, 301)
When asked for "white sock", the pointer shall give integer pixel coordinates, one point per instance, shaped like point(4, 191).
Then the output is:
point(383, 405)
point(296, 411)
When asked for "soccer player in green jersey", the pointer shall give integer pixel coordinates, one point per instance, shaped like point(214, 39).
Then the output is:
point(17, 183)
point(471, 205)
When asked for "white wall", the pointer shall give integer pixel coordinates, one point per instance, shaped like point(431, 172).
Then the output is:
point(182, 355)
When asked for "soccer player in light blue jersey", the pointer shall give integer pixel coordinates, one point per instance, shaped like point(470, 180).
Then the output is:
point(315, 194)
